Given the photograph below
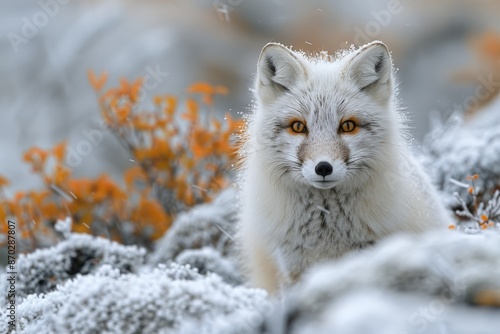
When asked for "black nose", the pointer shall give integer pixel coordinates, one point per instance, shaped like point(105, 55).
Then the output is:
point(323, 168)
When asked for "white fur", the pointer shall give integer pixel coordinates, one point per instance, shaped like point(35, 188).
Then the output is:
point(289, 219)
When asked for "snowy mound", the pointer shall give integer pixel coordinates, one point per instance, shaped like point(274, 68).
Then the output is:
point(80, 254)
point(202, 238)
point(406, 284)
point(208, 260)
point(156, 301)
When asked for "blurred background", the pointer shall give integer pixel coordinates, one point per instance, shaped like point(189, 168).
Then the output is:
point(47, 47)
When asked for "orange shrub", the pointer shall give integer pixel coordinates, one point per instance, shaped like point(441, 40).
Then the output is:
point(182, 159)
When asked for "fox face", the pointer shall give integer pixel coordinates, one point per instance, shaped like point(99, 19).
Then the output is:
point(325, 124)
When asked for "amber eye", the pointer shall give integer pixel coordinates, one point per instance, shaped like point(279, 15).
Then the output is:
point(348, 126)
point(298, 127)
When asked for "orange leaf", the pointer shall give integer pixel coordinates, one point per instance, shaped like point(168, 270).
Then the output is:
point(81, 189)
point(3, 181)
point(150, 212)
point(192, 111)
point(61, 174)
point(157, 100)
point(124, 86)
point(122, 113)
point(50, 211)
point(136, 90)
point(141, 125)
point(221, 90)
point(3, 216)
point(106, 189)
point(95, 82)
point(132, 175)
point(18, 197)
point(35, 153)
point(38, 197)
point(171, 105)
point(201, 87)
point(36, 157)
point(216, 124)
point(207, 91)
point(83, 224)
point(59, 151)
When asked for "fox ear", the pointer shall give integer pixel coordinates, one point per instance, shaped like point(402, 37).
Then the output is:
point(278, 71)
point(371, 70)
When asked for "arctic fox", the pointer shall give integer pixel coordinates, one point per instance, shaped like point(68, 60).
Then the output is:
point(326, 168)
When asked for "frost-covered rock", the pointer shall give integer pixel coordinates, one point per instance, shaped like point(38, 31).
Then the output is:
point(406, 284)
point(158, 301)
point(207, 225)
point(79, 254)
point(457, 150)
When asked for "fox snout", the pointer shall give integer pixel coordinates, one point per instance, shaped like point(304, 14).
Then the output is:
point(323, 172)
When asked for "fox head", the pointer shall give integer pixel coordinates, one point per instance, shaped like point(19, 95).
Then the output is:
point(324, 123)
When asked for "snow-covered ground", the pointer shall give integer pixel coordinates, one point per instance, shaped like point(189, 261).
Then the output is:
point(434, 283)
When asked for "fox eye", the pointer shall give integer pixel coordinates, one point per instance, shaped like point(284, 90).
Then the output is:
point(348, 126)
point(298, 127)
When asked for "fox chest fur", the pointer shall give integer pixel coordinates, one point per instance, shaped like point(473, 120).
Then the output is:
point(319, 225)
